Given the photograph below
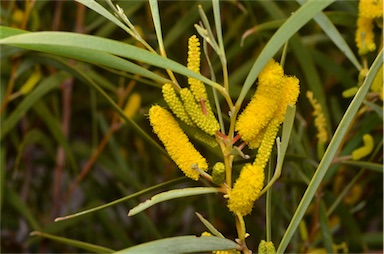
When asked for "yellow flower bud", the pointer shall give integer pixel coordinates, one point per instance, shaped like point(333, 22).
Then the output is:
point(366, 149)
point(132, 105)
point(218, 173)
point(246, 189)
point(31, 81)
point(206, 122)
point(266, 248)
point(177, 144)
point(175, 104)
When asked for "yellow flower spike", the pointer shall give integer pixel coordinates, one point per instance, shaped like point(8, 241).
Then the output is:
point(267, 142)
point(246, 189)
point(366, 149)
point(175, 104)
point(132, 105)
point(207, 123)
point(206, 139)
point(320, 123)
point(365, 38)
point(291, 93)
point(197, 87)
point(32, 81)
point(371, 8)
point(350, 92)
point(264, 103)
point(266, 247)
point(177, 144)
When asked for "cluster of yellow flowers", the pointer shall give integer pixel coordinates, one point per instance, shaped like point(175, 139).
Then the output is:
point(368, 11)
point(258, 126)
point(192, 107)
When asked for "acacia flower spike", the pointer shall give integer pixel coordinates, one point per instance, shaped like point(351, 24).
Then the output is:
point(176, 142)
point(320, 123)
point(260, 110)
point(197, 87)
point(366, 149)
point(246, 189)
point(207, 123)
point(365, 38)
point(175, 104)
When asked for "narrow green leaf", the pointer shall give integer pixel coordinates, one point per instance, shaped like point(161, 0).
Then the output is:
point(91, 48)
point(209, 226)
point(291, 26)
point(15, 202)
point(324, 228)
point(332, 32)
point(55, 128)
point(79, 244)
point(330, 153)
point(172, 194)
point(182, 244)
point(115, 202)
point(95, 6)
point(42, 89)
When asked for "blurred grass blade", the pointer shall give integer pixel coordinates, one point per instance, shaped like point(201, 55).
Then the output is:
point(181, 244)
point(19, 206)
point(324, 228)
point(330, 153)
point(332, 32)
point(42, 89)
point(365, 164)
point(79, 244)
point(298, 19)
point(134, 195)
point(55, 128)
point(172, 194)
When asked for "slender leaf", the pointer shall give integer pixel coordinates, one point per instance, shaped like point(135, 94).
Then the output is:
point(172, 194)
point(330, 29)
point(181, 244)
point(291, 26)
point(330, 153)
point(79, 244)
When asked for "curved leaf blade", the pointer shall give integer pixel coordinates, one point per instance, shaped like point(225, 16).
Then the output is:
point(181, 244)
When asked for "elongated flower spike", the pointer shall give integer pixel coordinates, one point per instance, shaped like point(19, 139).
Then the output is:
point(208, 123)
point(366, 149)
point(260, 110)
point(274, 93)
point(175, 104)
point(320, 123)
point(193, 63)
point(368, 11)
point(177, 144)
point(258, 126)
point(246, 189)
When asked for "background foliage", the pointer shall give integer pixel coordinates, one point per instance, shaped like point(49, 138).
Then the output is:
point(65, 149)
